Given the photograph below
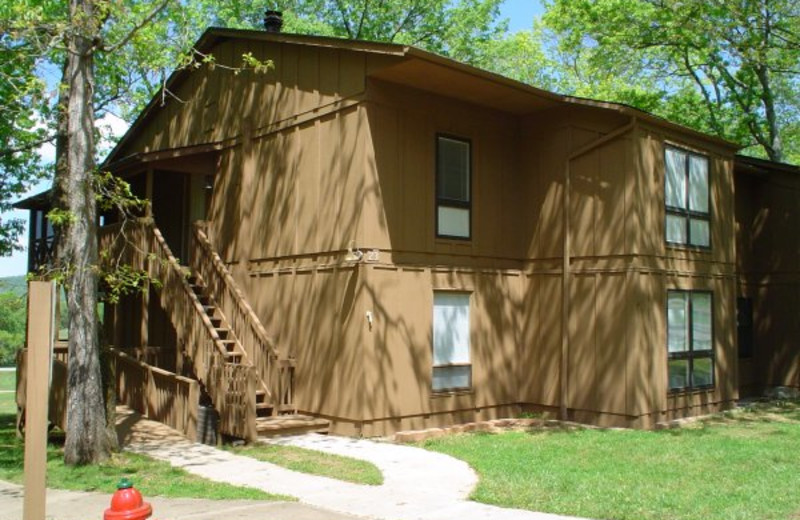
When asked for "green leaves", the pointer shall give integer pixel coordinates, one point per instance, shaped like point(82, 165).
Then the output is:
point(739, 58)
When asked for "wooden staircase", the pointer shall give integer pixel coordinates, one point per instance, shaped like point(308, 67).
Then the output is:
point(250, 383)
point(273, 416)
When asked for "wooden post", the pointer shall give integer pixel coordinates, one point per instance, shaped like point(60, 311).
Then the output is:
point(144, 324)
point(41, 317)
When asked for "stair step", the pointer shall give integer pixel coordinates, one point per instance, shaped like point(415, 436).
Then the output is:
point(264, 410)
point(222, 332)
point(291, 425)
point(233, 357)
point(228, 344)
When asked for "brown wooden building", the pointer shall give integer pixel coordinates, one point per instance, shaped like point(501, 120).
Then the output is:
point(768, 261)
point(422, 242)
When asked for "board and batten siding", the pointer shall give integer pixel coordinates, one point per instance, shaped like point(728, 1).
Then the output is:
point(317, 157)
point(768, 265)
point(217, 106)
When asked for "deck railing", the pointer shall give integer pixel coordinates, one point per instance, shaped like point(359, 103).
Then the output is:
point(144, 248)
point(57, 409)
point(157, 394)
point(275, 373)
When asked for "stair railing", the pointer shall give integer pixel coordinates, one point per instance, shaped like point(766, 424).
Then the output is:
point(228, 384)
point(276, 372)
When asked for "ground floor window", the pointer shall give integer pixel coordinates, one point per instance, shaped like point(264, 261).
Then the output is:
point(451, 357)
point(690, 341)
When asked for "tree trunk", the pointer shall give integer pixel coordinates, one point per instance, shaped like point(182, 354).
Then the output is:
point(86, 440)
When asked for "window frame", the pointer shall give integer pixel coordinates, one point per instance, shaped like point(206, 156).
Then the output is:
point(434, 365)
point(687, 214)
point(690, 354)
point(454, 203)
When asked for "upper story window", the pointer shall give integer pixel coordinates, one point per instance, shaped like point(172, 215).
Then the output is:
point(687, 198)
point(453, 191)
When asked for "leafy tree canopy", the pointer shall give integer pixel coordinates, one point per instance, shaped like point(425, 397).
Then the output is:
point(729, 67)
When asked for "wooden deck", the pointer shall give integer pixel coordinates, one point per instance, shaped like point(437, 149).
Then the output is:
point(290, 425)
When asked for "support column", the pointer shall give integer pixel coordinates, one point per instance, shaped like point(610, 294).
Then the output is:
point(41, 317)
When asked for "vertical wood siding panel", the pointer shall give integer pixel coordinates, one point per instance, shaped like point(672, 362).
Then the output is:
point(611, 204)
point(611, 342)
point(381, 175)
point(330, 186)
point(288, 104)
point(351, 78)
point(307, 190)
point(351, 177)
point(582, 364)
point(308, 80)
point(329, 71)
point(583, 182)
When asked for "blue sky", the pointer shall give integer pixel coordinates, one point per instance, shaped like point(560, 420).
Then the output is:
point(520, 14)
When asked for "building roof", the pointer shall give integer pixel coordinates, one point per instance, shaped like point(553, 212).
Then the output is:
point(422, 70)
point(414, 67)
point(756, 166)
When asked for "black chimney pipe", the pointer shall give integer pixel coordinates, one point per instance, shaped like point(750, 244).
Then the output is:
point(273, 21)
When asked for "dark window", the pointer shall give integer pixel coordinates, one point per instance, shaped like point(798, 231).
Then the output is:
point(453, 192)
point(744, 326)
point(690, 340)
point(686, 187)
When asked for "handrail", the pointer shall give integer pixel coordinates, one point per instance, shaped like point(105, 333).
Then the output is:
point(157, 394)
point(146, 249)
point(258, 346)
point(239, 300)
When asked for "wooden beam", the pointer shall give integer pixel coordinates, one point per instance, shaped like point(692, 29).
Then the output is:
point(41, 309)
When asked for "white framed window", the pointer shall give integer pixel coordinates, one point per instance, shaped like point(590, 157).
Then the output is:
point(453, 187)
point(690, 340)
point(452, 369)
point(687, 198)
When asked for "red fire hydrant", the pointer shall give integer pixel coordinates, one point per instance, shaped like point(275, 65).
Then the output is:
point(127, 504)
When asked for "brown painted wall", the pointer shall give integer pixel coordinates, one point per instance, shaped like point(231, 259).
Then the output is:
point(211, 106)
point(767, 219)
point(308, 173)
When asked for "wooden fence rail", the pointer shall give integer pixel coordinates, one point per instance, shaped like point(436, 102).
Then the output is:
point(157, 394)
point(57, 410)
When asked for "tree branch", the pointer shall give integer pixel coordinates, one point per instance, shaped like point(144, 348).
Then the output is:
point(709, 103)
point(146, 20)
point(363, 17)
point(345, 19)
point(26, 148)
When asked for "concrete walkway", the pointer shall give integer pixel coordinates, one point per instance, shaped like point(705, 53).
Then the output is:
point(74, 505)
point(418, 485)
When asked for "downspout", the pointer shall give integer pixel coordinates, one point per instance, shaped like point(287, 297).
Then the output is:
point(566, 270)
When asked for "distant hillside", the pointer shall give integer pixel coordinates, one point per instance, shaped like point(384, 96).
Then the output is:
point(14, 284)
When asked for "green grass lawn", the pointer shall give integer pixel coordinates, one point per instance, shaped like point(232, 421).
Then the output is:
point(151, 477)
point(8, 379)
point(741, 465)
point(314, 462)
point(8, 403)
